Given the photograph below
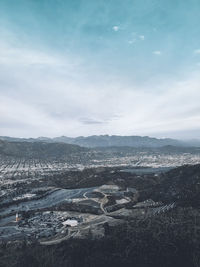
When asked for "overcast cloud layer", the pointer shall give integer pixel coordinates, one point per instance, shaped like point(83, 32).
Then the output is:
point(73, 68)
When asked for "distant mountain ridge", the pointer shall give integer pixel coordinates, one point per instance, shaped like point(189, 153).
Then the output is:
point(114, 140)
point(108, 141)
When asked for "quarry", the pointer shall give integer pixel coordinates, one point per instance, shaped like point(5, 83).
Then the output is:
point(63, 213)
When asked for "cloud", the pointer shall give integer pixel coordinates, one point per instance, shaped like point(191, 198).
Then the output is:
point(48, 100)
point(197, 51)
point(115, 28)
point(157, 52)
point(15, 56)
point(43, 93)
point(142, 37)
point(148, 113)
point(132, 41)
point(91, 121)
point(61, 98)
point(53, 107)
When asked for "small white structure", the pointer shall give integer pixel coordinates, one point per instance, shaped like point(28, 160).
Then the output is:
point(122, 201)
point(17, 217)
point(70, 222)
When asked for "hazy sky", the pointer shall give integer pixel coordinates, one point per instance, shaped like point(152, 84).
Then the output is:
point(83, 67)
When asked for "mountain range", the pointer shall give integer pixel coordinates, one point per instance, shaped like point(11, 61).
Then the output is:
point(108, 141)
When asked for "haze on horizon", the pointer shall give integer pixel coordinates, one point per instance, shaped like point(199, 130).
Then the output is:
point(115, 67)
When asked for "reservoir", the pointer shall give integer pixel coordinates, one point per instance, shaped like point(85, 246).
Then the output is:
point(147, 170)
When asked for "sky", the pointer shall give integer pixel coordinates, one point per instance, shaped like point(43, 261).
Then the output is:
point(85, 67)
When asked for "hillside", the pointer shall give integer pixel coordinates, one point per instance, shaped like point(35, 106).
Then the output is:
point(141, 233)
point(38, 149)
point(181, 185)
